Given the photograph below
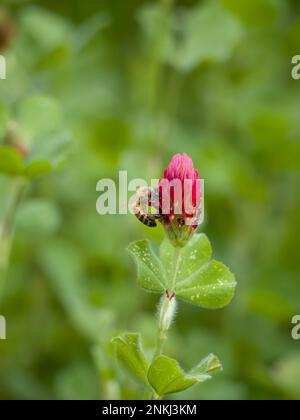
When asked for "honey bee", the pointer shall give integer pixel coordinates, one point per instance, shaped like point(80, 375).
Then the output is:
point(147, 198)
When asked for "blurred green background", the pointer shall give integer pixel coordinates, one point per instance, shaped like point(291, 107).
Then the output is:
point(100, 86)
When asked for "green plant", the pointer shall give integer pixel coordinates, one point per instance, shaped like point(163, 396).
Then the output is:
point(32, 142)
point(183, 270)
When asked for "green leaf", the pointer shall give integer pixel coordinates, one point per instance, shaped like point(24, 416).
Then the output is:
point(193, 256)
point(47, 29)
point(11, 162)
point(39, 116)
point(212, 286)
point(208, 32)
point(130, 353)
point(37, 168)
point(52, 148)
point(150, 272)
point(208, 366)
point(200, 280)
point(166, 376)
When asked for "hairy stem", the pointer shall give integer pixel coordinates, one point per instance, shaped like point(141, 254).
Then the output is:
point(167, 309)
point(176, 263)
point(7, 226)
point(161, 338)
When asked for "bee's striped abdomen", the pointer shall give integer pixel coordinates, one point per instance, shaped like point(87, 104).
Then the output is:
point(146, 219)
point(141, 207)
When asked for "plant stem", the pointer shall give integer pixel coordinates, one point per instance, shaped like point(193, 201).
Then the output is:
point(7, 226)
point(176, 262)
point(161, 337)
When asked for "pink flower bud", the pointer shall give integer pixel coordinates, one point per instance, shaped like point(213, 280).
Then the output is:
point(180, 199)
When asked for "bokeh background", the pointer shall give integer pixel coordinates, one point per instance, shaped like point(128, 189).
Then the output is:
point(97, 86)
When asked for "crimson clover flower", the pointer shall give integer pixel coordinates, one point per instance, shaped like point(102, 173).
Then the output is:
point(180, 199)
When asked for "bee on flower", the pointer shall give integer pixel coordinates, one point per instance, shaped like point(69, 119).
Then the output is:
point(177, 201)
